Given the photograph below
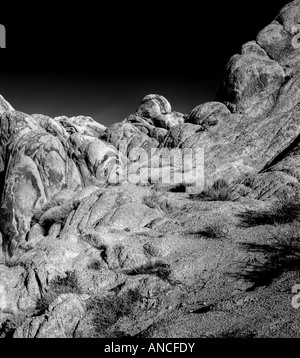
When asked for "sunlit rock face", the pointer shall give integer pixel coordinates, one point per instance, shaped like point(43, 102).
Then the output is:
point(251, 128)
point(40, 157)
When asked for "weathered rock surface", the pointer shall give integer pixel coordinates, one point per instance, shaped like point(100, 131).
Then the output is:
point(91, 215)
point(153, 105)
point(4, 105)
point(60, 321)
point(260, 135)
point(82, 125)
point(208, 114)
point(252, 82)
point(156, 110)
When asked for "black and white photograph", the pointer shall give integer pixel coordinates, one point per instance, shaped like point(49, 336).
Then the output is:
point(150, 173)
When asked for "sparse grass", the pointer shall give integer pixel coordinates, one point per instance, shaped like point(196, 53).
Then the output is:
point(58, 286)
point(286, 235)
point(219, 191)
point(281, 255)
point(66, 284)
point(158, 268)
point(213, 231)
point(106, 311)
point(285, 210)
point(95, 265)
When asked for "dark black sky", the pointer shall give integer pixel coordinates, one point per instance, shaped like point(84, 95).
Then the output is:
point(101, 60)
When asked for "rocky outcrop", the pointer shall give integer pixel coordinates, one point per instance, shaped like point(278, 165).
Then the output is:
point(39, 159)
point(258, 131)
point(127, 137)
point(156, 110)
point(4, 105)
point(81, 125)
point(208, 114)
point(252, 82)
point(153, 105)
point(277, 38)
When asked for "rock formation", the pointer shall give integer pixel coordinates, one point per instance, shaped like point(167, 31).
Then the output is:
point(71, 208)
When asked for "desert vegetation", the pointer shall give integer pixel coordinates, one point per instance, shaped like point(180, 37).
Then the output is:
point(219, 191)
point(284, 210)
point(281, 254)
point(106, 311)
point(157, 268)
point(214, 231)
point(59, 285)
